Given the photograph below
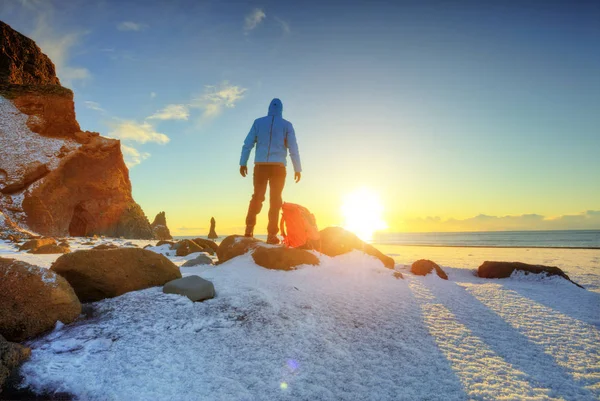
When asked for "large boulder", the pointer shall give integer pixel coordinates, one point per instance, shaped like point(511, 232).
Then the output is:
point(505, 269)
point(236, 245)
point(34, 244)
point(212, 234)
point(282, 258)
point(159, 227)
point(201, 259)
point(337, 241)
point(51, 249)
point(194, 287)
point(423, 267)
point(32, 300)
point(100, 274)
point(186, 246)
point(206, 243)
point(55, 179)
point(11, 356)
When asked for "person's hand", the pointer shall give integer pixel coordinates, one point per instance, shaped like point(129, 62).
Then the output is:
point(244, 171)
point(297, 177)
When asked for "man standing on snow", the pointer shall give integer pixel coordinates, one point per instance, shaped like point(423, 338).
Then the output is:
point(273, 137)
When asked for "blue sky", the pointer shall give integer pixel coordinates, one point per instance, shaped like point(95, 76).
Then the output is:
point(447, 110)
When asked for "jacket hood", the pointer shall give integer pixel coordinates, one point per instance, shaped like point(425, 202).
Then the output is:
point(276, 108)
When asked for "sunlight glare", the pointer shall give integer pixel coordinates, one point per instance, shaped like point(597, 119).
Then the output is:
point(362, 212)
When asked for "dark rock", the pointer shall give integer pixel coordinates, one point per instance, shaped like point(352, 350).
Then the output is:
point(133, 223)
point(282, 258)
point(34, 244)
point(32, 299)
point(212, 234)
point(11, 356)
point(186, 246)
point(194, 287)
point(398, 275)
point(164, 242)
point(423, 267)
point(236, 245)
point(201, 259)
point(505, 269)
point(103, 247)
point(206, 243)
point(22, 62)
point(50, 249)
point(159, 227)
point(100, 274)
point(337, 241)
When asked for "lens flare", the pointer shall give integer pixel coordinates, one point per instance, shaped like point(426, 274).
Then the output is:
point(362, 211)
point(283, 386)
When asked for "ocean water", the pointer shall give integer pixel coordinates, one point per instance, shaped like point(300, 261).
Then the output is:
point(509, 239)
point(585, 239)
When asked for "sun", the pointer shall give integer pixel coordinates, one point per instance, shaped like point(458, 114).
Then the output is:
point(362, 211)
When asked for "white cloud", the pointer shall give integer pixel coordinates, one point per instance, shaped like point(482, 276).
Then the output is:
point(133, 131)
point(131, 26)
point(171, 112)
point(253, 19)
point(152, 95)
point(132, 156)
point(285, 26)
point(93, 106)
point(215, 98)
point(58, 46)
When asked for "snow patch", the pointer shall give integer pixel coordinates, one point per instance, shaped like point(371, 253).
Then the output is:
point(20, 147)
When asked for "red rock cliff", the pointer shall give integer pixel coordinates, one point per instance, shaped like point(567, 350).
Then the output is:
point(55, 179)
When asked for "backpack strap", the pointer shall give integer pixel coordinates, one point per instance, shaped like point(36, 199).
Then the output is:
point(282, 228)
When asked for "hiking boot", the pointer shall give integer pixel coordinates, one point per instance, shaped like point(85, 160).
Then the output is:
point(273, 240)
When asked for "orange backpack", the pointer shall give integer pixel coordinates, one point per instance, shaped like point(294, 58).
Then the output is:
point(301, 226)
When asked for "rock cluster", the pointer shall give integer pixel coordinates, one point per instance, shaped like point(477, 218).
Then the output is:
point(44, 246)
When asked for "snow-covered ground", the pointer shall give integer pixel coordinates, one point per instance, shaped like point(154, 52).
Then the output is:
point(345, 330)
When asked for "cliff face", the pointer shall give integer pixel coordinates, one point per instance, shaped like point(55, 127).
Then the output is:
point(55, 179)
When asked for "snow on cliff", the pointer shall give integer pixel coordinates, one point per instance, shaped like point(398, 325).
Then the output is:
point(20, 148)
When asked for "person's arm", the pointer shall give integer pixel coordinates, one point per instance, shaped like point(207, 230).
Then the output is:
point(246, 149)
point(292, 145)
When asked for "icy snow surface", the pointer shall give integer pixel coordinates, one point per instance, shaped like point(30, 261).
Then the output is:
point(345, 330)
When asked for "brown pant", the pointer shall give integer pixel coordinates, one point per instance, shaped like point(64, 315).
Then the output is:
point(274, 175)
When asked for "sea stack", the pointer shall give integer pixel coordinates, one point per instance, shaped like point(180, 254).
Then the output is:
point(212, 233)
point(55, 179)
point(160, 228)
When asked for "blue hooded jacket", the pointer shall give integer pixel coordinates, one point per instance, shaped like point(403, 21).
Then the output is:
point(273, 137)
